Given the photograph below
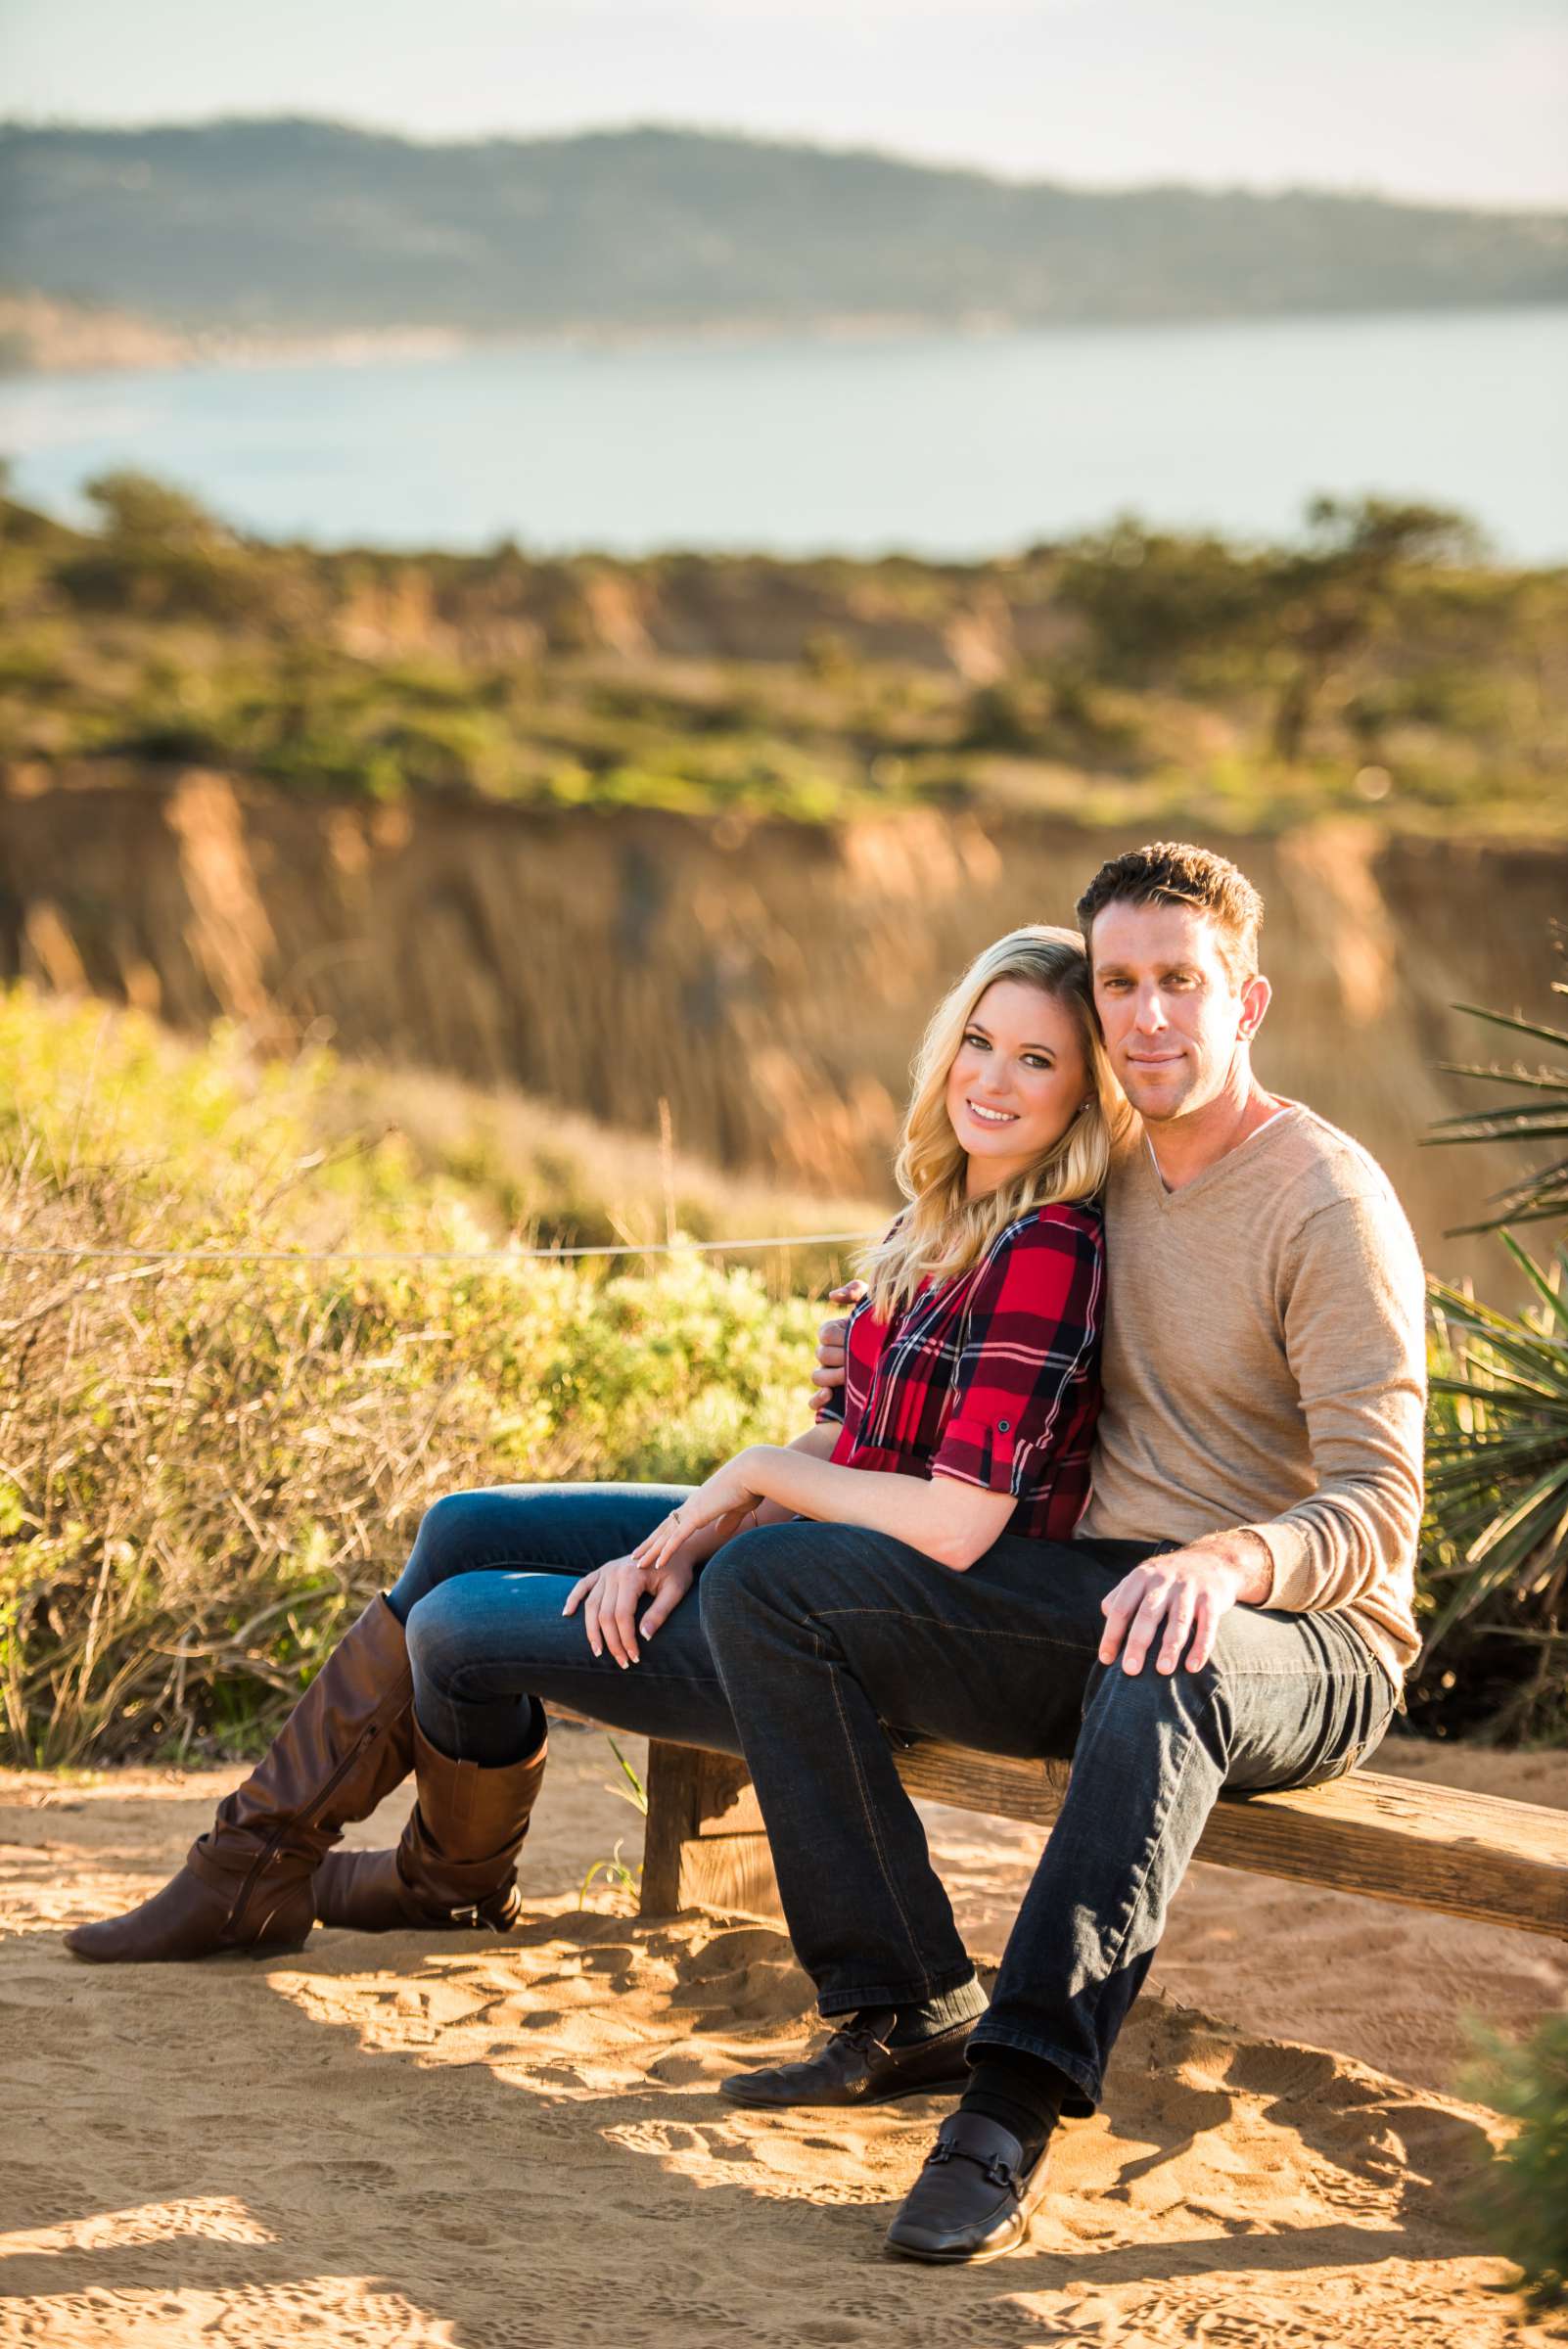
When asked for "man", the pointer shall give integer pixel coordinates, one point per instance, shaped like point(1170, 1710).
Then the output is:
point(1235, 1610)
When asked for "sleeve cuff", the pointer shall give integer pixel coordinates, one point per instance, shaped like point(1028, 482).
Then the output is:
point(1283, 1548)
point(975, 1451)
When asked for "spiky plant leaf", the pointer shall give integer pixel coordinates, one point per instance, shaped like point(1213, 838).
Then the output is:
point(1542, 1194)
point(1498, 1457)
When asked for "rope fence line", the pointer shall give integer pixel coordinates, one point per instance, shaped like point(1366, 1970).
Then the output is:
point(420, 1256)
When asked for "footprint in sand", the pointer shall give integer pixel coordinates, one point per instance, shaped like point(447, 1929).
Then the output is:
point(671, 2140)
point(686, 2070)
point(756, 1981)
point(362, 2177)
point(609, 1960)
point(454, 2217)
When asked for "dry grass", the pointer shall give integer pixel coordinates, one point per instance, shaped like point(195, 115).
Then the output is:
point(534, 1167)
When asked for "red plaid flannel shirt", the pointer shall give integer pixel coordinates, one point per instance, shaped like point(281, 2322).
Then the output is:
point(991, 1377)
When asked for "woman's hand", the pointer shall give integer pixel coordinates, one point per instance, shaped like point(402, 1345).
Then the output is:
point(610, 1597)
point(725, 1502)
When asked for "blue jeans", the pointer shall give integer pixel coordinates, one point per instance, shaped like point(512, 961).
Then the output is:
point(481, 1602)
point(823, 1634)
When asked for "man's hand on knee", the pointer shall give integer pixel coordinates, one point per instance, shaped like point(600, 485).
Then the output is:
point(1173, 1605)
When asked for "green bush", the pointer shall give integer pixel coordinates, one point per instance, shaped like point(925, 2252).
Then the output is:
point(208, 1468)
point(1523, 2194)
point(163, 556)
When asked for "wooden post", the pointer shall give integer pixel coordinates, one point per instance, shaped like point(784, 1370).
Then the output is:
point(706, 1846)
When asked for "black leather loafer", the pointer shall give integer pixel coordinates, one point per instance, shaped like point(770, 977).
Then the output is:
point(973, 2200)
point(857, 2068)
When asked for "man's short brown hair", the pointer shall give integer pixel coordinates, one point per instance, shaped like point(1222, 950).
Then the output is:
point(1172, 872)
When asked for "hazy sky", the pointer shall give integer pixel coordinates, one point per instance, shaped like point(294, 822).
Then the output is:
point(1441, 99)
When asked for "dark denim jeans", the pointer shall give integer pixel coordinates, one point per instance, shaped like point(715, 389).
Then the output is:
point(480, 1599)
point(822, 1634)
point(801, 1642)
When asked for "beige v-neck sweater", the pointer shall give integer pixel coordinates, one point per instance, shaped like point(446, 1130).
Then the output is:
point(1265, 1367)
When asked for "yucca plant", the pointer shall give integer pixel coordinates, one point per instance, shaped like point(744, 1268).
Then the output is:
point(1497, 1477)
point(1536, 1197)
point(1495, 1554)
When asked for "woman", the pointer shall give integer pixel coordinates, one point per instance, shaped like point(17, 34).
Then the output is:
point(969, 1404)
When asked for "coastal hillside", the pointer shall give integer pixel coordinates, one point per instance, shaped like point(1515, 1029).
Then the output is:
point(280, 227)
point(713, 833)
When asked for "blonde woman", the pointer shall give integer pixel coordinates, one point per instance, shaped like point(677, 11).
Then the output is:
point(969, 1406)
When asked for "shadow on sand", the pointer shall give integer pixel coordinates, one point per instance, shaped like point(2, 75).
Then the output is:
point(395, 2192)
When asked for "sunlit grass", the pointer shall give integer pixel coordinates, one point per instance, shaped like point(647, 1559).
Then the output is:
point(205, 1469)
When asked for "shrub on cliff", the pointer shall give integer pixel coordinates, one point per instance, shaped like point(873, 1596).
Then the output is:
point(161, 556)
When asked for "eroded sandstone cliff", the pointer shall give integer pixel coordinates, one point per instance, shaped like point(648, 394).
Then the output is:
point(767, 979)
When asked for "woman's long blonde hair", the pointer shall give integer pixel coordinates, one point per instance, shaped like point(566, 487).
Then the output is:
point(942, 1232)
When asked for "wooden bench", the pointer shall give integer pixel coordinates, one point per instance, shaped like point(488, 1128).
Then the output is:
point(1431, 1847)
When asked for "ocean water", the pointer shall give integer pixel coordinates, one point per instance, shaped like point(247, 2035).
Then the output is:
point(938, 443)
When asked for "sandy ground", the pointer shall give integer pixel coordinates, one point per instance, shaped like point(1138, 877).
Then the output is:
point(518, 2144)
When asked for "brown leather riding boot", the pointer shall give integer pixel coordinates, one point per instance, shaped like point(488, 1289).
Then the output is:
point(247, 1882)
point(456, 1862)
